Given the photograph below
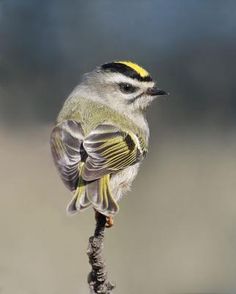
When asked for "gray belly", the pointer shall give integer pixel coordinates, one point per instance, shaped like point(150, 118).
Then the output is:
point(120, 182)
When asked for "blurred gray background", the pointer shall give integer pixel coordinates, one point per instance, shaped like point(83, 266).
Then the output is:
point(176, 230)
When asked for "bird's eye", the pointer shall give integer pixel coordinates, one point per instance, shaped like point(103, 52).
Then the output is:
point(127, 88)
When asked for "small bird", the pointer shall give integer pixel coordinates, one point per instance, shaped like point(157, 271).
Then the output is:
point(101, 135)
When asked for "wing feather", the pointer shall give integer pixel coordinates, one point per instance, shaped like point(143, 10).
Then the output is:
point(109, 150)
point(66, 147)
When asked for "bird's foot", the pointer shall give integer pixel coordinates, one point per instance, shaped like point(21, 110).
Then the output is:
point(109, 219)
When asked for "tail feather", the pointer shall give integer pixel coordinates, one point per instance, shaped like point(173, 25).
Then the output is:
point(109, 206)
point(92, 192)
point(71, 207)
point(80, 200)
point(96, 193)
point(113, 207)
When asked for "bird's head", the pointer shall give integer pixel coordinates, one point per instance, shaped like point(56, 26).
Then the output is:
point(122, 85)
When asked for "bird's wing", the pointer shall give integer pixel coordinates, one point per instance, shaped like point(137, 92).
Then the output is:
point(109, 150)
point(66, 146)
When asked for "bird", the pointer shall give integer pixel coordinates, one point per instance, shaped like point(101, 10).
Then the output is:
point(101, 135)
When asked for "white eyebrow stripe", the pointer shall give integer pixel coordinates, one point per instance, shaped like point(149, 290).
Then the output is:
point(119, 78)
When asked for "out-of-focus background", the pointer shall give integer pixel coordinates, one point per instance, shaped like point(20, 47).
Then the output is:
point(176, 230)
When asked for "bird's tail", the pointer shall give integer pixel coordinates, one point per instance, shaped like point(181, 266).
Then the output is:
point(79, 200)
point(96, 193)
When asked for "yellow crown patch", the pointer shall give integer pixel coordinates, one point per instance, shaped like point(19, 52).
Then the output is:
point(141, 71)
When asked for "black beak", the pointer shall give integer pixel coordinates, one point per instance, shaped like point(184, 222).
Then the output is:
point(154, 91)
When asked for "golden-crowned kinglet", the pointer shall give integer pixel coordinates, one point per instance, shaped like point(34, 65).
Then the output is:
point(101, 135)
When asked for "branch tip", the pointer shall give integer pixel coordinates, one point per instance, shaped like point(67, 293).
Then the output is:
point(97, 278)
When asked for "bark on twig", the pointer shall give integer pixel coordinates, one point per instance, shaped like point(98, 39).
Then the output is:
point(97, 278)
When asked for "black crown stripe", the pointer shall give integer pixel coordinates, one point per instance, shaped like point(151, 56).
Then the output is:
point(125, 70)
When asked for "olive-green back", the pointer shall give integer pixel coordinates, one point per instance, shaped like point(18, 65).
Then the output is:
point(90, 114)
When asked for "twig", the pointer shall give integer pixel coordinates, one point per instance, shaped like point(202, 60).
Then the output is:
point(97, 278)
